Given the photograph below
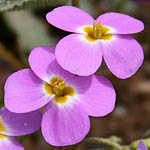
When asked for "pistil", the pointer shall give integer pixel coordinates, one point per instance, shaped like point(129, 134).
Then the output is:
point(58, 87)
point(97, 30)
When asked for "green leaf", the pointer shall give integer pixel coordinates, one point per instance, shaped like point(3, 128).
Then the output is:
point(31, 31)
point(18, 4)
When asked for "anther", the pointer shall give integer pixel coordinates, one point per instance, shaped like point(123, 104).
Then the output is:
point(97, 30)
point(58, 87)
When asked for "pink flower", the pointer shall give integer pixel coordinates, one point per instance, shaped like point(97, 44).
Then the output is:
point(69, 99)
point(142, 0)
point(81, 52)
point(141, 146)
point(12, 124)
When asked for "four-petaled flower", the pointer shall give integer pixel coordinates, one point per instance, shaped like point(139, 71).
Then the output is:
point(141, 146)
point(70, 99)
point(81, 52)
point(12, 124)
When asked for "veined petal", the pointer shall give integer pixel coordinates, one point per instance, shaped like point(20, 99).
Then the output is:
point(65, 125)
point(48, 66)
point(69, 18)
point(20, 124)
point(10, 143)
point(24, 92)
point(96, 94)
point(121, 23)
point(123, 56)
point(77, 55)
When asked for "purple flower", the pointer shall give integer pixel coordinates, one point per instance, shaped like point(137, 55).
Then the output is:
point(12, 124)
point(69, 99)
point(141, 146)
point(142, 0)
point(81, 52)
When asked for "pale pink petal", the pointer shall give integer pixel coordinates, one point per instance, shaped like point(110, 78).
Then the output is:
point(10, 143)
point(40, 58)
point(123, 56)
point(20, 124)
point(96, 94)
point(24, 92)
point(69, 18)
point(65, 125)
point(48, 65)
point(79, 56)
point(121, 23)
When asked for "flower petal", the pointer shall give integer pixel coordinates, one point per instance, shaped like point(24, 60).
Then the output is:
point(121, 23)
point(142, 146)
point(69, 18)
point(20, 124)
point(24, 92)
point(10, 143)
point(123, 56)
point(79, 56)
point(65, 125)
point(96, 94)
point(48, 65)
point(44, 54)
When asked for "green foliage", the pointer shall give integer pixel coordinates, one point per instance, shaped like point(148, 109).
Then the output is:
point(115, 139)
point(18, 4)
point(1, 101)
point(30, 30)
point(135, 144)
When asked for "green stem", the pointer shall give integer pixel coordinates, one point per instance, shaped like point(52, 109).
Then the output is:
point(147, 134)
point(76, 3)
point(10, 58)
point(102, 141)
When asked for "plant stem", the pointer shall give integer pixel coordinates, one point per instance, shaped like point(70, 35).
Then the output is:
point(76, 3)
point(10, 58)
point(102, 141)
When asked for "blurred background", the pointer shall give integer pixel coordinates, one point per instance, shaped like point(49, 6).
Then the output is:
point(23, 27)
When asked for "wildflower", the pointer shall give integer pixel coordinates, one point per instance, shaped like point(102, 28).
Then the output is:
point(12, 124)
point(142, 146)
point(69, 99)
point(81, 52)
point(141, 0)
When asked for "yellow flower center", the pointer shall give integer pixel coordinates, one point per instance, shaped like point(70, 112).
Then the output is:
point(2, 128)
point(57, 86)
point(2, 136)
point(97, 32)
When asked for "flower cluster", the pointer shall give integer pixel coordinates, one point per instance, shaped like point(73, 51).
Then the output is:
point(62, 78)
